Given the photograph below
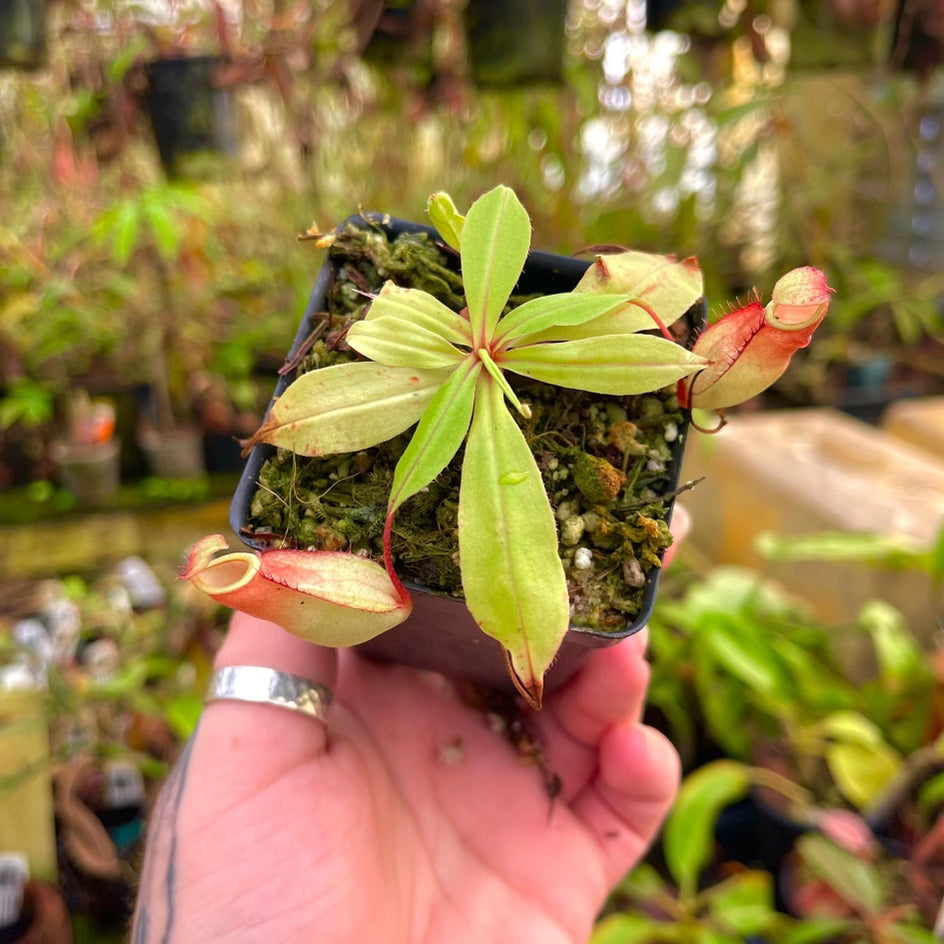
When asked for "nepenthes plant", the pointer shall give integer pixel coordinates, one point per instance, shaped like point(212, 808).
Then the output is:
point(448, 375)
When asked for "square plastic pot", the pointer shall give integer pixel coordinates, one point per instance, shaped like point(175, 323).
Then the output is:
point(441, 634)
point(193, 117)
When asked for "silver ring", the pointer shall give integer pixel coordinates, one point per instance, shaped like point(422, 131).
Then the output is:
point(268, 687)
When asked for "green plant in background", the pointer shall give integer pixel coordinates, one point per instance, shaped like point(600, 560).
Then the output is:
point(898, 711)
point(120, 669)
point(28, 403)
point(851, 759)
point(839, 891)
point(532, 135)
point(765, 680)
point(149, 231)
point(885, 306)
point(690, 902)
point(890, 551)
point(117, 662)
point(50, 332)
point(735, 656)
point(209, 292)
point(889, 320)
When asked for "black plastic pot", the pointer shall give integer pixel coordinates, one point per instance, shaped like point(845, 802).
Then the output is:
point(192, 116)
point(175, 453)
point(916, 45)
point(515, 42)
point(401, 36)
point(441, 634)
point(22, 34)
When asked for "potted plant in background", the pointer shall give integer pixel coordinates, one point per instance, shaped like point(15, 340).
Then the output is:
point(883, 342)
point(22, 33)
point(88, 457)
point(885, 756)
point(26, 412)
point(155, 234)
point(203, 56)
point(117, 659)
point(256, 278)
point(742, 667)
point(686, 892)
point(192, 113)
point(55, 336)
point(445, 368)
point(515, 43)
point(188, 95)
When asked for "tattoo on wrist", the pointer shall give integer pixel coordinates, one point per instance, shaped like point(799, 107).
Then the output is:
point(155, 909)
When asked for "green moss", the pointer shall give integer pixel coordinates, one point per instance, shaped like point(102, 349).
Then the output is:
point(605, 462)
point(596, 479)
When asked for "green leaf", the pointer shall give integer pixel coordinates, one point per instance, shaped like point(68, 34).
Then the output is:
point(633, 929)
point(862, 772)
point(126, 57)
point(499, 378)
point(421, 308)
point(623, 320)
point(616, 365)
point(850, 727)
point(548, 311)
point(724, 703)
point(897, 551)
point(816, 931)
point(119, 228)
point(689, 831)
point(439, 435)
point(753, 664)
point(668, 286)
point(446, 218)
point(28, 403)
point(852, 879)
point(163, 226)
point(511, 573)
point(912, 934)
point(931, 795)
point(185, 198)
point(860, 761)
point(743, 903)
point(182, 714)
point(347, 407)
point(643, 883)
point(129, 680)
point(898, 653)
point(495, 241)
point(396, 342)
point(732, 589)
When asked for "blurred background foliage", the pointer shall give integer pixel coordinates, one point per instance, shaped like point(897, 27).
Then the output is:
point(757, 134)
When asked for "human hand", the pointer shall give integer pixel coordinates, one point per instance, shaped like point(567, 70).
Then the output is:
point(405, 818)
